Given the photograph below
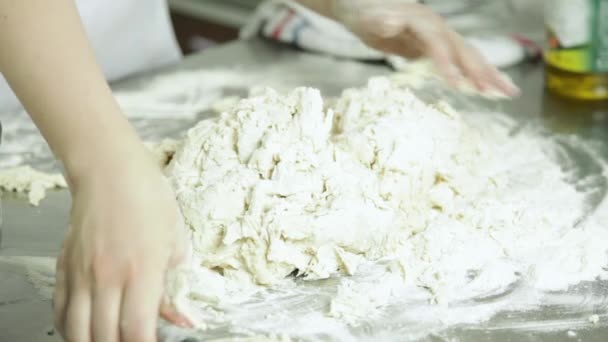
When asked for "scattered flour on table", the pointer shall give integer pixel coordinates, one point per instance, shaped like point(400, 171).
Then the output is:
point(311, 219)
point(595, 319)
point(159, 106)
point(181, 94)
point(387, 195)
point(35, 183)
point(24, 179)
point(40, 272)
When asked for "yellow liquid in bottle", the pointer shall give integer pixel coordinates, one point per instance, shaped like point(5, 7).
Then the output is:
point(583, 86)
point(577, 49)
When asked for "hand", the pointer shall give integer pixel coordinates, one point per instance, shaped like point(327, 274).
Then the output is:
point(125, 232)
point(412, 30)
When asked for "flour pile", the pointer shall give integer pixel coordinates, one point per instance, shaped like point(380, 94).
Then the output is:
point(401, 195)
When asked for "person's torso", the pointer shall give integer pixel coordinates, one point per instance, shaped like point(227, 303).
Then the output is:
point(128, 36)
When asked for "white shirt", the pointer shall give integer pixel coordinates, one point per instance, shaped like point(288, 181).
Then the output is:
point(128, 36)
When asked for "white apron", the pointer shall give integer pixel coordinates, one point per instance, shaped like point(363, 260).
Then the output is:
point(128, 36)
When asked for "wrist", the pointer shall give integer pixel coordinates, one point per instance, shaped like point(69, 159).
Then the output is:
point(106, 159)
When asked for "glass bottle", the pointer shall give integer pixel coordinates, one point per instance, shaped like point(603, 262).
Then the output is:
point(577, 48)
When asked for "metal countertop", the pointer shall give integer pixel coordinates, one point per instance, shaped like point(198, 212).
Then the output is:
point(37, 232)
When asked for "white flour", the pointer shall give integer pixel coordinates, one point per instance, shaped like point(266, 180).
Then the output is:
point(181, 95)
point(158, 107)
point(35, 183)
point(382, 234)
point(411, 200)
point(24, 179)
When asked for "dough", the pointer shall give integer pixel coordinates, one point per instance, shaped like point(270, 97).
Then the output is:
point(163, 151)
point(279, 186)
point(387, 195)
point(400, 202)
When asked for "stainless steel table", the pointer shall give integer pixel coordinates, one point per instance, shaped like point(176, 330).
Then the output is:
point(29, 231)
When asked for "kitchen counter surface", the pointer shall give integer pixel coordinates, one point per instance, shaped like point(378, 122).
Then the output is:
point(25, 315)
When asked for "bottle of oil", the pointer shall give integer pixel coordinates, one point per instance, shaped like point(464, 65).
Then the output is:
point(577, 48)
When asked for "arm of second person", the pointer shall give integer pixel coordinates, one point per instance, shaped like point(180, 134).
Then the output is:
point(413, 30)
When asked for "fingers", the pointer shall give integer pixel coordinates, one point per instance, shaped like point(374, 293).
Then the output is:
point(71, 304)
point(472, 64)
point(140, 305)
point(106, 313)
point(414, 30)
point(460, 64)
point(437, 48)
point(77, 325)
point(111, 315)
point(108, 280)
point(456, 61)
point(485, 77)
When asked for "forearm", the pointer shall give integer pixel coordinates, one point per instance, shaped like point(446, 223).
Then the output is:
point(45, 56)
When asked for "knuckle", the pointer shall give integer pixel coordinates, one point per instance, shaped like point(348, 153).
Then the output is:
point(105, 269)
point(474, 68)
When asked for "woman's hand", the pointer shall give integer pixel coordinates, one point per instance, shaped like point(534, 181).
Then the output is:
point(125, 227)
point(412, 30)
point(125, 232)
